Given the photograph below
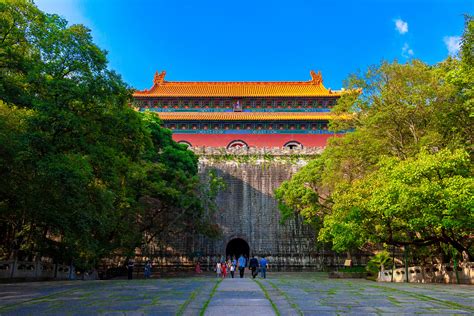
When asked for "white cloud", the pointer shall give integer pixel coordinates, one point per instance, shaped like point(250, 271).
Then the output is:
point(401, 26)
point(453, 44)
point(407, 52)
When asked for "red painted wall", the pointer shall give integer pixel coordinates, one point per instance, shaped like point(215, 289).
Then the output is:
point(253, 140)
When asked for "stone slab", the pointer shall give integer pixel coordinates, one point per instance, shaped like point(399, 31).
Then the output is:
point(292, 294)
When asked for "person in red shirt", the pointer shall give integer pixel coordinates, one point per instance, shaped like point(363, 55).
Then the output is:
point(198, 267)
point(224, 270)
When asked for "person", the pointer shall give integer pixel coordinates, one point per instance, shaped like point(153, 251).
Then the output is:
point(229, 265)
point(218, 269)
point(232, 265)
point(224, 269)
point(147, 271)
point(242, 263)
point(253, 265)
point(198, 268)
point(130, 266)
point(263, 267)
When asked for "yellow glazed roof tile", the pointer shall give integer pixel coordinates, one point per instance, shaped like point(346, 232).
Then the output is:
point(162, 88)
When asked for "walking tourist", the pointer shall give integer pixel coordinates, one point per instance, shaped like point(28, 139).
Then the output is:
point(253, 265)
point(130, 266)
point(219, 269)
point(242, 263)
point(229, 264)
point(147, 272)
point(224, 270)
point(232, 269)
point(198, 268)
point(263, 267)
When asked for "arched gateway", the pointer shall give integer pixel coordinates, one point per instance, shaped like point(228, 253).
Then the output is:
point(237, 247)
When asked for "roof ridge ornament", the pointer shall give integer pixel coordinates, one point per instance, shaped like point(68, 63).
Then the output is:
point(159, 78)
point(316, 78)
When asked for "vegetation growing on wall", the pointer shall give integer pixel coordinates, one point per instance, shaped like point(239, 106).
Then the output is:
point(404, 176)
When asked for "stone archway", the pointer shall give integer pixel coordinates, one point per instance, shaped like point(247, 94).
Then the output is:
point(236, 247)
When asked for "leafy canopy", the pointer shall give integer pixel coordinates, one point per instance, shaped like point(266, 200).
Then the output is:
point(404, 175)
point(82, 175)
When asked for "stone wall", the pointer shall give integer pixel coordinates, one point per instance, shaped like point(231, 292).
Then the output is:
point(248, 210)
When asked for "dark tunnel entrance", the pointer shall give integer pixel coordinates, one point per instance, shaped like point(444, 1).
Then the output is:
point(236, 247)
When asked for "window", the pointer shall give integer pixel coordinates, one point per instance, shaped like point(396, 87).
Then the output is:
point(237, 144)
point(293, 145)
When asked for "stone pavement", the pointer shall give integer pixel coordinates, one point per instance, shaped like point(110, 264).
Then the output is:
point(315, 294)
point(116, 297)
point(287, 293)
point(239, 296)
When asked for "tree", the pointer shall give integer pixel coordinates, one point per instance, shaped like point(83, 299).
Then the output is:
point(403, 116)
point(83, 174)
point(421, 201)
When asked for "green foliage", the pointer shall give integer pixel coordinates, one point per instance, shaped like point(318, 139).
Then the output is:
point(421, 200)
point(379, 262)
point(82, 175)
point(302, 193)
point(404, 175)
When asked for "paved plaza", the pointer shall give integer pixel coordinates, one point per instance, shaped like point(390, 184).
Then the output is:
point(280, 293)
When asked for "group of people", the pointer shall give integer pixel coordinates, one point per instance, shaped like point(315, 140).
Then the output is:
point(223, 267)
point(131, 264)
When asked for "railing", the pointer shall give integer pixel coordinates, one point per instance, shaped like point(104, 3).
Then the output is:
point(438, 273)
point(34, 270)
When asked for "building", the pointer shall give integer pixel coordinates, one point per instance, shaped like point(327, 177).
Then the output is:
point(271, 123)
point(242, 114)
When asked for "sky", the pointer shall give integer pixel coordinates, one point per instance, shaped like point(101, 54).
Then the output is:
point(264, 40)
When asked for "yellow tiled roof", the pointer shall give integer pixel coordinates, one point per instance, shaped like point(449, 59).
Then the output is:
point(312, 88)
point(248, 116)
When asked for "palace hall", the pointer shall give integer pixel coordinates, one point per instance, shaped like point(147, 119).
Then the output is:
point(243, 114)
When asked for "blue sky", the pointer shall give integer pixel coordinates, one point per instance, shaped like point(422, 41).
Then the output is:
point(264, 40)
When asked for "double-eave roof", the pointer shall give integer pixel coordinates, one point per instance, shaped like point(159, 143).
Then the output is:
point(163, 88)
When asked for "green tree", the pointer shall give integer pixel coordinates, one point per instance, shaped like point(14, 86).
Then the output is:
point(84, 176)
point(421, 201)
point(401, 114)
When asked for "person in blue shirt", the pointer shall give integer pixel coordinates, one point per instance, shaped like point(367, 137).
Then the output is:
point(263, 267)
point(242, 262)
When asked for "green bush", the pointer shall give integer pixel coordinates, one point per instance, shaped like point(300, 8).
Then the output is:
point(381, 259)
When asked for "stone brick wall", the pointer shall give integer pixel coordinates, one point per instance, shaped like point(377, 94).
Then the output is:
point(248, 210)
